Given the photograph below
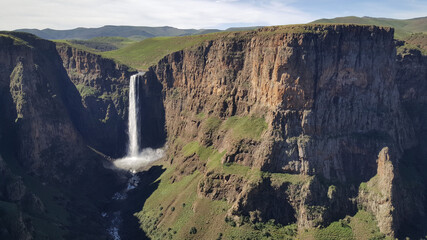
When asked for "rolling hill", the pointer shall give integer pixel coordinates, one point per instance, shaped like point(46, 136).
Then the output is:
point(114, 31)
point(148, 52)
point(100, 44)
point(109, 38)
point(403, 28)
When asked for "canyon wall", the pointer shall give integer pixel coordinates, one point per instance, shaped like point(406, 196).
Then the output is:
point(46, 155)
point(411, 77)
point(32, 86)
point(328, 97)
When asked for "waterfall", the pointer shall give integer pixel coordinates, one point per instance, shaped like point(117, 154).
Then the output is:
point(136, 158)
point(133, 121)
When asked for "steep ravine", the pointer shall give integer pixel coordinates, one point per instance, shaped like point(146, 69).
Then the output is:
point(65, 120)
point(283, 132)
point(100, 111)
point(99, 108)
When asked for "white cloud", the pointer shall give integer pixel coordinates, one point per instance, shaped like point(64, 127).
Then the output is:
point(60, 14)
point(66, 14)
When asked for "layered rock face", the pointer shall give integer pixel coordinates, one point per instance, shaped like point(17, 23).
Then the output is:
point(411, 77)
point(32, 86)
point(330, 102)
point(46, 157)
point(99, 109)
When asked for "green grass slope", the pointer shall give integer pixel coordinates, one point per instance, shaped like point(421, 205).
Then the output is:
point(361, 226)
point(148, 52)
point(403, 28)
point(419, 40)
point(103, 44)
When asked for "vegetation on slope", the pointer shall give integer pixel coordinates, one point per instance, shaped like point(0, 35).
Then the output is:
point(16, 40)
point(100, 44)
point(245, 127)
point(416, 41)
point(148, 52)
point(19, 38)
point(176, 211)
point(179, 202)
point(403, 28)
point(361, 226)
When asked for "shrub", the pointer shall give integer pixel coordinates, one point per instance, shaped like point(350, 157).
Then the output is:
point(193, 230)
point(219, 237)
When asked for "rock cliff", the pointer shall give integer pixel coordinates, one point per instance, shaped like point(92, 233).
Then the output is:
point(32, 86)
point(45, 151)
point(303, 110)
point(411, 77)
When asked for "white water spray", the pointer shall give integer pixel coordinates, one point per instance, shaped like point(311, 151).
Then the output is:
point(135, 158)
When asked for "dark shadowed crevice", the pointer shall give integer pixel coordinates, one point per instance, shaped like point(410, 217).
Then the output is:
point(153, 130)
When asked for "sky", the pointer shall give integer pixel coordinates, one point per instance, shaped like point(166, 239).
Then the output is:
point(68, 14)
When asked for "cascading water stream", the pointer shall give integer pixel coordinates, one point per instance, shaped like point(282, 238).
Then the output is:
point(136, 158)
point(133, 120)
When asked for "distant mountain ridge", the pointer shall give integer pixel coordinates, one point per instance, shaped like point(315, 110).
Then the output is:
point(138, 32)
point(403, 27)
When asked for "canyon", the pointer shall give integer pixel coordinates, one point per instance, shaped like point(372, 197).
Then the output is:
point(281, 130)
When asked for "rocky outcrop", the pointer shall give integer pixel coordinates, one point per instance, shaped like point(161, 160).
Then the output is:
point(262, 202)
point(327, 94)
point(379, 195)
point(218, 186)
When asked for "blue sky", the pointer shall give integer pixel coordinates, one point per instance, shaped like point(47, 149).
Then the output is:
point(66, 14)
point(401, 9)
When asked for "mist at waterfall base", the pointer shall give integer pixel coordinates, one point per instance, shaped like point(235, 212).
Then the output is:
point(145, 157)
point(136, 158)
